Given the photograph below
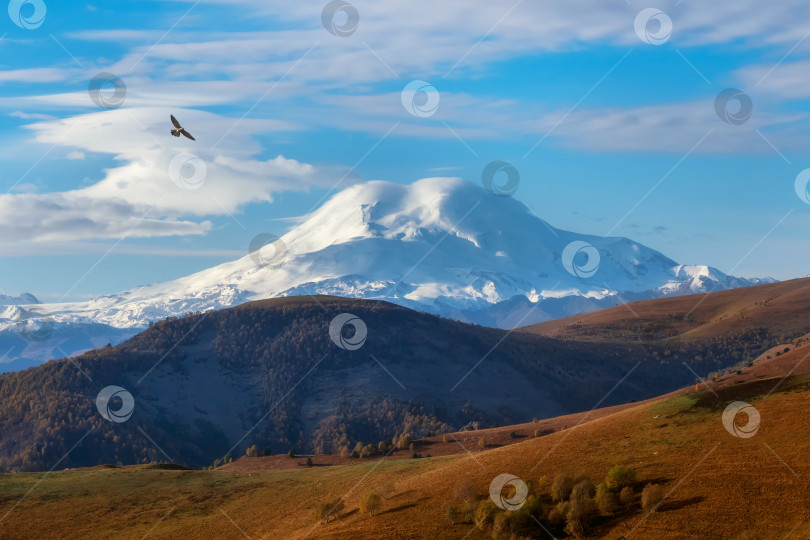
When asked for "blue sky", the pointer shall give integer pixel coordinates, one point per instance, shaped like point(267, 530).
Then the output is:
point(611, 134)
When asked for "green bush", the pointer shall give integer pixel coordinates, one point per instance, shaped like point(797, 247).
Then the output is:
point(619, 477)
point(605, 500)
point(452, 514)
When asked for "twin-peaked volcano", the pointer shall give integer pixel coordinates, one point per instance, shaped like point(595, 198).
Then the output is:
point(441, 245)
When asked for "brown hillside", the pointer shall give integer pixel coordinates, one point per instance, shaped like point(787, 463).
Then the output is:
point(781, 308)
point(717, 486)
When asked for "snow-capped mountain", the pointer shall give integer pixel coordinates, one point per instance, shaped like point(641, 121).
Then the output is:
point(21, 300)
point(441, 245)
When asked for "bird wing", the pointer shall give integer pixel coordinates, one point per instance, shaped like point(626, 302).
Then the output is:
point(187, 134)
point(175, 122)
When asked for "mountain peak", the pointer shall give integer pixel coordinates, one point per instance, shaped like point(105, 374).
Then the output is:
point(21, 300)
point(441, 245)
point(380, 209)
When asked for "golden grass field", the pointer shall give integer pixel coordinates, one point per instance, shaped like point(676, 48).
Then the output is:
point(717, 486)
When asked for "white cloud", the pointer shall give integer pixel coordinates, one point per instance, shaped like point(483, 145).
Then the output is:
point(787, 80)
point(138, 197)
point(76, 155)
point(35, 75)
point(31, 116)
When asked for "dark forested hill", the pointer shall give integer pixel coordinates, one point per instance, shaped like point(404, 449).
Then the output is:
point(269, 373)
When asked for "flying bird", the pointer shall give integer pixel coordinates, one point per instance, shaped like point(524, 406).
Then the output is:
point(179, 130)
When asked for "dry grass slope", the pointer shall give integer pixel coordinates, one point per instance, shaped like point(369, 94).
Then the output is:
point(717, 486)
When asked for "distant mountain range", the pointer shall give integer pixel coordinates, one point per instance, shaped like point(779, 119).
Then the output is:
point(440, 245)
point(21, 300)
point(281, 373)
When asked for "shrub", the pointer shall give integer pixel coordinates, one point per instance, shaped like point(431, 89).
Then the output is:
point(252, 451)
point(228, 458)
point(485, 513)
point(651, 496)
point(512, 435)
point(558, 514)
point(543, 486)
point(605, 500)
point(445, 439)
point(325, 511)
point(501, 528)
point(268, 451)
point(404, 442)
point(581, 511)
point(583, 490)
point(370, 503)
point(452, 514)
point(309, 462)
point(291, 453)
point(482, 442)
point(618, 477)
point(344, 451)
point(561, 487)
point(627, 495)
